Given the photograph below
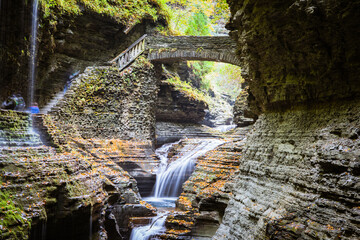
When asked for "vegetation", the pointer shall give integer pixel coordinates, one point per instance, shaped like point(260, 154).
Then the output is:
point(127, 12)
point(197, 17)
point(13, 223)
point(201, 18)
point(187, 89)
point(198, 24)
point(224, 79)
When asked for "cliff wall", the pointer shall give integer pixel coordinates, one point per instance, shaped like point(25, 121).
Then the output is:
point(73, 194)
point(68, 40)
point(299, 173)
point(106, 103)
point(297, 51)
point(299, 177)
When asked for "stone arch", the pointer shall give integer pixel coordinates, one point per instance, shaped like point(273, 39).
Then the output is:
point(203, 48)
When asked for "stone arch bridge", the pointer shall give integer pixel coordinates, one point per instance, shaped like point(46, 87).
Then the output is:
point(177, 48)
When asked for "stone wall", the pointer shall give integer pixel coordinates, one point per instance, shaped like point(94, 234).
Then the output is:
point(299, 174)
point(15, 130)
point(46, 194)
point(205, 48)
point(297, 51)
point(298, 177)
point(106, 103)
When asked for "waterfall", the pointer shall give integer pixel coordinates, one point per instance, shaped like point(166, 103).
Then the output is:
point(156, 226)
point(170, 178)
point(33, 49)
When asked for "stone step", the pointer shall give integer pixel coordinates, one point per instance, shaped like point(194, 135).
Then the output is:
point(140, 221)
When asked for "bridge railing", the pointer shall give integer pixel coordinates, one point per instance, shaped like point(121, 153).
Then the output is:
point(130, 54)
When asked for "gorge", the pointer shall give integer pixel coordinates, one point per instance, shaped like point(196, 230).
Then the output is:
point(135, 153)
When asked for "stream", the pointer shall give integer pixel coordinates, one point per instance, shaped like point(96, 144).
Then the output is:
point(169, 180)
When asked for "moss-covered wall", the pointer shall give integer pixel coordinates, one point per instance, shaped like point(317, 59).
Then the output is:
point(297, 51)
point(106, 103)
point(70, 38)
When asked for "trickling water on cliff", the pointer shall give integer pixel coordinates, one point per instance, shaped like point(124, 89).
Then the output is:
point(33, 47)
point(169, 180)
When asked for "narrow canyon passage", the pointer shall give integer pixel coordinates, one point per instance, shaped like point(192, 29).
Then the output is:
point(179, 120)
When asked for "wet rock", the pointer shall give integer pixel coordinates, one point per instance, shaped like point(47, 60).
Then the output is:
point(206, 193)
point(66, 194)
point(167, 132)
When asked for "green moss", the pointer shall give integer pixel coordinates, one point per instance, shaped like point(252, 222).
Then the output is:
point(13, 223)
point(13, 121)
point(187, 89)
point(126, 12)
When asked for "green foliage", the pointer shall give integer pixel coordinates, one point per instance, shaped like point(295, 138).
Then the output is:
point(187, 89)
point(13, 223)
point(196, 13)
point(225, 78)
point(201, 68)
point(127, 12)
point(198, 25)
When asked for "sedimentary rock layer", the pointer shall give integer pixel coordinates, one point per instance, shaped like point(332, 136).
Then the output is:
point(106, 103)
point(175, 106)
point(65, 195)
point(298, 177)
point(297, 51)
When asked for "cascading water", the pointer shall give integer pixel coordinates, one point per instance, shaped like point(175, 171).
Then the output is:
point(33, 49)
point(169, 180)
point(145, 232)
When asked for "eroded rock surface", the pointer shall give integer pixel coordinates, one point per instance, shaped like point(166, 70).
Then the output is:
point(106, 103)
point(65, 195)
point(298, 177)
point(175, 106)
point(297, 51)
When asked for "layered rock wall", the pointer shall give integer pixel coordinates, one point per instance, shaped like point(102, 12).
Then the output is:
point(297, 51)
point(175, 106)
point(299, 177)
point(299, 174)
point(106, 103)
point(67, 195)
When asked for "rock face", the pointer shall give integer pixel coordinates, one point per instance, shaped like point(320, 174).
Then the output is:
point(207, 192)
point(298, 177)
point(299, 174)
point(167, 132)
point(15, 130)
point(64, 195)
point(71, 44)
point(174, 106)
point(297, 51)
point(106, 103)
point(242, 116)
point(135, 157)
